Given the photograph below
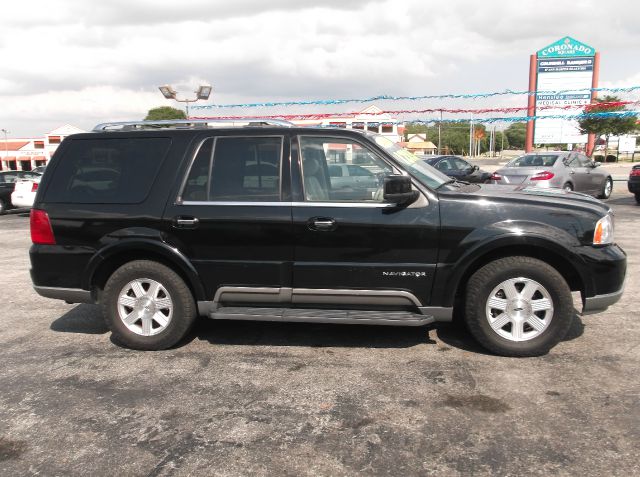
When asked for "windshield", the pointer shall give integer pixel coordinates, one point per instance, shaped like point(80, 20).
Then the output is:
point(413, 164)
point(534, 160)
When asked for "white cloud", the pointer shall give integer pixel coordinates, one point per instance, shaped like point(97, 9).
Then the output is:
point(84, 62)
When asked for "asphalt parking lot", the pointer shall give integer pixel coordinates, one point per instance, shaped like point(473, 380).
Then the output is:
point(306, 399)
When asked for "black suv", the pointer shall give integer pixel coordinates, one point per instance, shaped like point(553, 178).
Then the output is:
point(161, 222)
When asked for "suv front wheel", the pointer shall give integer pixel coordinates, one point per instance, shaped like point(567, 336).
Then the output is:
point(518, 306)
point(147, 306)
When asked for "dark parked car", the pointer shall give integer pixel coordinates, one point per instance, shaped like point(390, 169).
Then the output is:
point(634, 182)
point(458, 168)
point(567, 170)
point(8, 181)
point(160, 225)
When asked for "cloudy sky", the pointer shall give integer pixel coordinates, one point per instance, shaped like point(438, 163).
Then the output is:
point(84, 62)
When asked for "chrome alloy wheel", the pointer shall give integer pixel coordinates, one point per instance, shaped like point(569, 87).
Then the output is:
point(608, 187)
point(519, 309)
point(145, 306)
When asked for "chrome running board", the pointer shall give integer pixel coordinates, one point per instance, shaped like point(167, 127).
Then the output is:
point(393, 318)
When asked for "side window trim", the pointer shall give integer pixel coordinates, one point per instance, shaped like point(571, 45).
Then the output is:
point(179, 198)
point(192, 160)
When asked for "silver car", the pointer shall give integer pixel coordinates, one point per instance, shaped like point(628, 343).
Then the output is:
point(566, 170)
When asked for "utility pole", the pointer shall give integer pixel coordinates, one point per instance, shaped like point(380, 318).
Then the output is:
point(471, 136)
point(439, 125)
point(492, 142)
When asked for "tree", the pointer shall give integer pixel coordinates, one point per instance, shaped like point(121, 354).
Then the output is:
point(454, 137)
point(606, 126)
point(165, 112)
point(516, 134)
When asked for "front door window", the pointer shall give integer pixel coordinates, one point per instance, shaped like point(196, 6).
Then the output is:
point(340, 169)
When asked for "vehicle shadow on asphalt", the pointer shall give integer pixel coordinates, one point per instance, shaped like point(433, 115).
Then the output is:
point(456, 335)
point(81, 319)
point(88, 319)
point(256, 333)
point(630, 200)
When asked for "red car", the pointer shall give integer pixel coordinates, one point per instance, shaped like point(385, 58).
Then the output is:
point(634, 182)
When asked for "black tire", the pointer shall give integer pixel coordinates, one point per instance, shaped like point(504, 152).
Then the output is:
point(607, 188)
point(637, 197)
point(568, 186)
point(3, 207)
point(182, 313)
point(486, 279)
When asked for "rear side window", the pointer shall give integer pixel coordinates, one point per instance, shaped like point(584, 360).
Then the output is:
point(335, 171)
point(8, 178)
point(107, 171)
point(359, 171)
point(235, 169)
point(535, 160)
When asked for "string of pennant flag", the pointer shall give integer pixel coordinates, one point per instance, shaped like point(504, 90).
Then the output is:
point(514, 119)
point(267, 104)
point(613, 114)
point(350, 114)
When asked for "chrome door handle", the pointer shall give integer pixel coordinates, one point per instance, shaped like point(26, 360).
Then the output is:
point(186, 222)
point(322, 224)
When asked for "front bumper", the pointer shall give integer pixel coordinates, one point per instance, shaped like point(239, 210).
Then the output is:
point(604, 277)
point(598, 303)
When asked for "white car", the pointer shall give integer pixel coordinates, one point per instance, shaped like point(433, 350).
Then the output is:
point(24, 192)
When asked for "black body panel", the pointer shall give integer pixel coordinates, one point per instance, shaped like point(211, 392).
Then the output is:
point(428, 248)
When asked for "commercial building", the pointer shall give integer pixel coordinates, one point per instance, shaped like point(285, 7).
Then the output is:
point(418, 144)
point(369, 119)
point(25, 154)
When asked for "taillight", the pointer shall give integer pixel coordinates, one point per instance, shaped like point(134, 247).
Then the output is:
point(495, 177)
point(542, 176)
point(635, 172)
point(34, 186)
point(41, 231)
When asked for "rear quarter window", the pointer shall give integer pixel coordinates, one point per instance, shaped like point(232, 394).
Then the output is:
point(107, 171)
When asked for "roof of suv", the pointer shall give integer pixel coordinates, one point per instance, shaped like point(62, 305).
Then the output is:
point(190, 124)
point(222, 125)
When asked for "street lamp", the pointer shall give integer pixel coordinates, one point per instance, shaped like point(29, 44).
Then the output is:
point(6, 144)
point(203, 92)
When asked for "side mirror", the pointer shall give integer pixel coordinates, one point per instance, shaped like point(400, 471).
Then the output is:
point(596, 164)
point(398, 190)
point(475, 168)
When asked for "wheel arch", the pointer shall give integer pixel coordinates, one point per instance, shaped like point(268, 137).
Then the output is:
point(556, 256)
point(113, 256)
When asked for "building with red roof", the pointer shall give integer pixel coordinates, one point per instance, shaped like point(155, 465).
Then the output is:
point(25, 154)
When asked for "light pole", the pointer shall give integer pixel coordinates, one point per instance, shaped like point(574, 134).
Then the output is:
point(202, 92)
point(6, 144)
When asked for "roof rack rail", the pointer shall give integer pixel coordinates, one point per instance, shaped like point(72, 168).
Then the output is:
point(190, 124)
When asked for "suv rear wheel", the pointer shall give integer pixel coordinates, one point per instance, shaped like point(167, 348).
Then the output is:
point(147, 306)
point(518, 306)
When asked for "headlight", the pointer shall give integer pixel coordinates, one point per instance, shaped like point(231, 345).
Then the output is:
point(603, 233)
